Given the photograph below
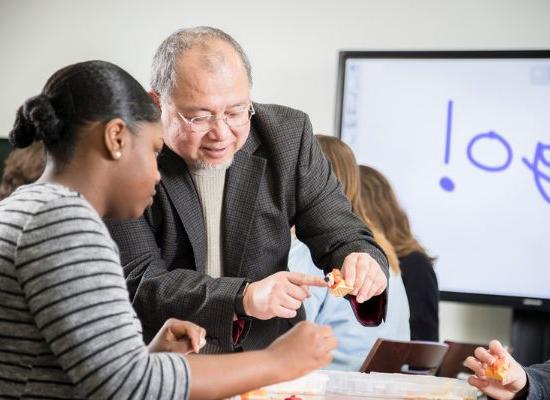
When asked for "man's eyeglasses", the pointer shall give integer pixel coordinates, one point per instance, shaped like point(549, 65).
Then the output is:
point(205, 123)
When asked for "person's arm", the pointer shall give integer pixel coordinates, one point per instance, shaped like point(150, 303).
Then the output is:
point(423, 294)
point(169, 291)
point(304, 348)
point(538, 381)
point(324, 220)
point(335, 235)
point(160, 291)
point(70, 273)
point(514, 385)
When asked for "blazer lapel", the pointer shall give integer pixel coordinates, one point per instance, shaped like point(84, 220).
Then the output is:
point(242, 183)
point(179, 185)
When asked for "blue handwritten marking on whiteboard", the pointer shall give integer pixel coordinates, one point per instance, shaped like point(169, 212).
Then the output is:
point(539, 160)
point(491, 136)
point(535, 166)
point(445, 182)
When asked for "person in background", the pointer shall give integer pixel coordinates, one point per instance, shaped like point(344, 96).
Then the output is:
point(21, 167)
point(530, 383)
point(354, 339)
point(416, 265)
point(236, 175)
point(67, 327)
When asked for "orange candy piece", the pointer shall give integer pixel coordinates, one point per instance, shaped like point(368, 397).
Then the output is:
point(337, 284)
point(258, 393)
point(337, 275)
point(497, 370)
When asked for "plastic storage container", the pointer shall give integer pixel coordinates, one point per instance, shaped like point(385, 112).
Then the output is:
point(338, 385)
point(355, 385)
point(309, 387)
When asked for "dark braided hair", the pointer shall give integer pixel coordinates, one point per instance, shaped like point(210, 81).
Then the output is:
point(91, 91)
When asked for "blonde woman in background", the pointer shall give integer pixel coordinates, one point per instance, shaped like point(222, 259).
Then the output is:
point(416, 265)
point(354, 339)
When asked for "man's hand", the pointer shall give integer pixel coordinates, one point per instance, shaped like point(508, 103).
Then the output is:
point(178, 336)
point(362, 272)
point(279, 295)
point(514, 381)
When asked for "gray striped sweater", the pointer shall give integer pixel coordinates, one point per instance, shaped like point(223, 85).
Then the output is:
point(67, 328)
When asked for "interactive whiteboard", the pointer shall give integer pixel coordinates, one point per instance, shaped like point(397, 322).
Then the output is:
point(464, 138)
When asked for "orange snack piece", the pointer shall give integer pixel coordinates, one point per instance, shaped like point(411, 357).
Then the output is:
point(254, 394)
point(337, 284)
point(497, 370)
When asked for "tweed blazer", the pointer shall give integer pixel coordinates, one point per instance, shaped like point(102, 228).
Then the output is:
point(278, 179)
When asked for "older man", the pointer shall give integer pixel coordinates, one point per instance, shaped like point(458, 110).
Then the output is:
point(236, 175)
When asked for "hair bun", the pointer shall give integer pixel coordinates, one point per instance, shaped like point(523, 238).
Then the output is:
point(35, 120)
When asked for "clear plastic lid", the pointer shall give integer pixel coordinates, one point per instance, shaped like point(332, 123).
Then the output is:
point(332, 385)
point(309, 387)
point(397, 386)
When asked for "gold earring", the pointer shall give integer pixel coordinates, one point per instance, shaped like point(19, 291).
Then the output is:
point(117, 155)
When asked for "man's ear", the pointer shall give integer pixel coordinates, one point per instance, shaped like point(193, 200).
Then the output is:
point(155, 96)
point(115, 137)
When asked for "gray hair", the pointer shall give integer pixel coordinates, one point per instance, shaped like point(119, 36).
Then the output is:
point(163, 70)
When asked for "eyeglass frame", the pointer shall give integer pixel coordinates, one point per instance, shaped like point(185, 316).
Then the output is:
point(214, 118)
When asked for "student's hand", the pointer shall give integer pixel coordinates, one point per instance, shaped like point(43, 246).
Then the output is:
point(514, 381)
point(362, 272)
point(178, 336)
point(304, 348)
point(279, 295)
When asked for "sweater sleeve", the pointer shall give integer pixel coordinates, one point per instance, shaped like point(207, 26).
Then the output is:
point(423, 293)
point(538, 377)
point(70, 272)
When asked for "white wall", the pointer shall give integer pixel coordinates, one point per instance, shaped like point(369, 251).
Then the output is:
point(293, 47)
